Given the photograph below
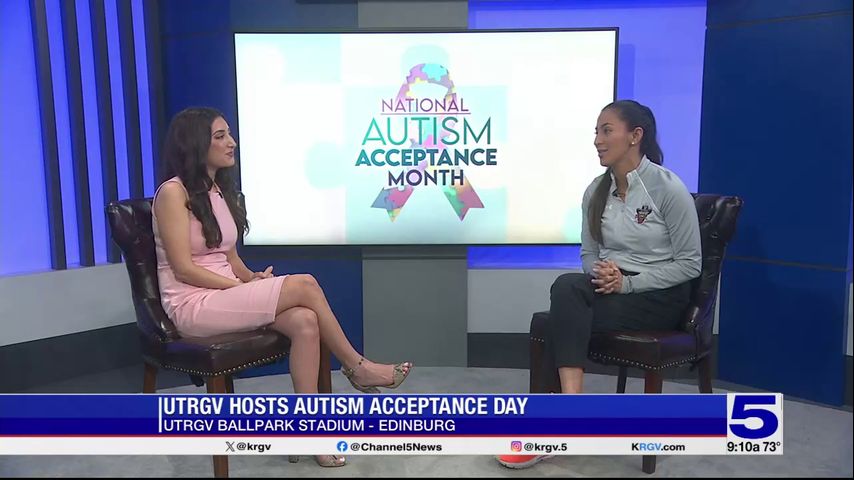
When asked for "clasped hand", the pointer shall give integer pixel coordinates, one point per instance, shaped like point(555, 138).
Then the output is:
point(268, 273)
point(607, 277)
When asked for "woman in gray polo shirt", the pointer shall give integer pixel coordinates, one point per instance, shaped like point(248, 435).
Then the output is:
point(640, 247)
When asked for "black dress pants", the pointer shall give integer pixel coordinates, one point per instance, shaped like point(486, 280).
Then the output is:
point(577, 311)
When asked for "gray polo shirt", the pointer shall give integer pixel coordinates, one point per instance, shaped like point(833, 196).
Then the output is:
point(655, 232)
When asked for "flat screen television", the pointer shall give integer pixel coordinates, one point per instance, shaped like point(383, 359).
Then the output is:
point(439, 138)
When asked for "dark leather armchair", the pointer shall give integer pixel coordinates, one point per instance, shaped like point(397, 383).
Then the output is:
point(214, 359)
point(651, 351)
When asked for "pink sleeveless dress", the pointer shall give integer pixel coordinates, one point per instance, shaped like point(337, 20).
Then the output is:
point(202, 312)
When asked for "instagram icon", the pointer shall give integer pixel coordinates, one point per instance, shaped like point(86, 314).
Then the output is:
point(516, 446)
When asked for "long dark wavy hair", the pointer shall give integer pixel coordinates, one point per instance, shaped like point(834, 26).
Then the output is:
point(185, 154)
point(635, 115)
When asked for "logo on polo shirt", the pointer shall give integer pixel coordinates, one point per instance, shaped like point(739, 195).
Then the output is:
point(642, 213)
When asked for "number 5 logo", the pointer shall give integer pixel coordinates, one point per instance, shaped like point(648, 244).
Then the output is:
point(745, 407)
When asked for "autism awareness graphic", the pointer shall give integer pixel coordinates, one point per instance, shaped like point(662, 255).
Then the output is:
point(475, 138)
point(428, 151)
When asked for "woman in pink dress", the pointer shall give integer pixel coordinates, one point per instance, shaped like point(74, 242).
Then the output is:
point(205, 287)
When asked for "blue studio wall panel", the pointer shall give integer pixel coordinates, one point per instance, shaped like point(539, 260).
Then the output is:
point(742, 11)
point(90, 109)
point(118, 105)
point(776, 130)
point(198, 57)
point(65, 119)
point(781, 329)
point(63, 133)
point(199, 71)
point(24, 237)
point(525, 257)
point(140, 54)
point(183, 17)
point(777, 135)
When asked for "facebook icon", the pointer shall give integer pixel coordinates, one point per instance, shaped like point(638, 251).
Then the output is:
point(342, 446)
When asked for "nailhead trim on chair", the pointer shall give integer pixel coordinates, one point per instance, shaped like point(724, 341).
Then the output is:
point(630, 363)
point(228, 371)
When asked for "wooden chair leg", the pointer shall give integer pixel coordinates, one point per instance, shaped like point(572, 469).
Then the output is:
point(324, 373)
point(536, 383)
point(229, 384)
point(649, 464)
point(219, 384)
point(149, 379)
point(541, 379)
point(704, 374)
point(621, 380)
point(220, 465)
point(652, 384)
point(543, 375)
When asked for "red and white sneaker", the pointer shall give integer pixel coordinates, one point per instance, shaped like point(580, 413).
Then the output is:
point(521, 461)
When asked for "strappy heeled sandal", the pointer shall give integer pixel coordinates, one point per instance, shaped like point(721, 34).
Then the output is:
point(349, 372)
point(401, 371)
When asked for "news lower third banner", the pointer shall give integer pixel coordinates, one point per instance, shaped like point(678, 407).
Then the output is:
point(234, 424)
